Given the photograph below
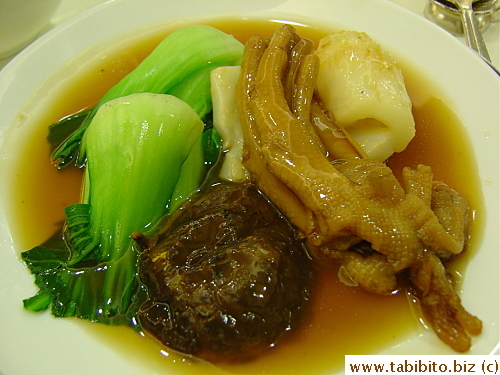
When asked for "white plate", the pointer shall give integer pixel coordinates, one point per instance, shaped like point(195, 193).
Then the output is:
point(32, 344)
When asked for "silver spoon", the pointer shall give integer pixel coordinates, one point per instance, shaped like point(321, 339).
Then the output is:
point(447, 15)
point(472, 31)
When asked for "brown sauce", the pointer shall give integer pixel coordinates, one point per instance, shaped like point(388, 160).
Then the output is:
point(344, 320)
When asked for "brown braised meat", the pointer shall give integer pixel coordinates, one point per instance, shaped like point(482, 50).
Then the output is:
point(226, 278)
point(337, 198)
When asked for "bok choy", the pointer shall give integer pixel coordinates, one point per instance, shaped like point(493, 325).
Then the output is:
point(136, 147)
point(180, 65)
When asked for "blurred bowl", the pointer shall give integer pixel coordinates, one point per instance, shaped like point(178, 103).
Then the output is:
point(21, 21)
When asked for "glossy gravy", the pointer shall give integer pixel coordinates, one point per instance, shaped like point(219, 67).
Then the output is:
point(342, 320)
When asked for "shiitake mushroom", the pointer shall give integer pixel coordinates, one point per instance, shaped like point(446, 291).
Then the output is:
point(226, 277)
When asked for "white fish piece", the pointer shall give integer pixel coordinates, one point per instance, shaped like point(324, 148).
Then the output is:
point(364, 88)
point(227, 121)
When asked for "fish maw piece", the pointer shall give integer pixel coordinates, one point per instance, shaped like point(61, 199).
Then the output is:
point(227, 278)
point(365, 89)
point(227, 121)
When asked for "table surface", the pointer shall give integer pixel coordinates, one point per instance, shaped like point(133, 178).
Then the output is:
point(70, 8)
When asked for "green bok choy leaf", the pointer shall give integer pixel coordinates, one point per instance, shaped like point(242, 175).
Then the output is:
point(136, 147)
point(180, 65)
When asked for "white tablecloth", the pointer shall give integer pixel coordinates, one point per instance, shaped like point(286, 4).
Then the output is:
point(70, 8)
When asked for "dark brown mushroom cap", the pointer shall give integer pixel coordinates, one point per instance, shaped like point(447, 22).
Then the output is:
point(226, 278)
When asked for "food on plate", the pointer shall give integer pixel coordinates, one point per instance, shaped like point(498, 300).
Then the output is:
point(227, 122)
point(161, 137)
point(94, 275)
point(226, 277)
point(172, 68)
point(353, 200)
point(230, 185)
point(364, 87)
